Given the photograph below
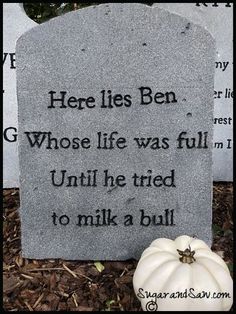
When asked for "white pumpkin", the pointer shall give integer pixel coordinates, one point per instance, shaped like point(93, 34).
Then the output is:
point(182, 275)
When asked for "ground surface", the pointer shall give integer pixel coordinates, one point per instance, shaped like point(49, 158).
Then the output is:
point(32, 285)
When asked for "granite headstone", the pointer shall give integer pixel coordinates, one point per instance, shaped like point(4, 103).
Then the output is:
point(115, 132)
point(217, 18)
point(15, 23)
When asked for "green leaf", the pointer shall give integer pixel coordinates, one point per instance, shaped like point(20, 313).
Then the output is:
point(230, 266)
point(217, 230)
point(108, 305)
point(99, 266)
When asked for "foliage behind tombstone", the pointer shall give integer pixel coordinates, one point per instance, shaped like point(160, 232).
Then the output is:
point(41, 12)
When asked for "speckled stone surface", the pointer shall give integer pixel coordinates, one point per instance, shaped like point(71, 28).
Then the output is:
point(118, 48)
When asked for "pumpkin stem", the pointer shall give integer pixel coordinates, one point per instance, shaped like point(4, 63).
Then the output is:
point(186, 256)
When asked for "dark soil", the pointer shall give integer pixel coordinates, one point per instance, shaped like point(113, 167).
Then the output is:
point(45, 285)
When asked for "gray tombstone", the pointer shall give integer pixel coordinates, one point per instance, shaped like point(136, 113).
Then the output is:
point(15, 23)
point(115, 132)
point(217, 18)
